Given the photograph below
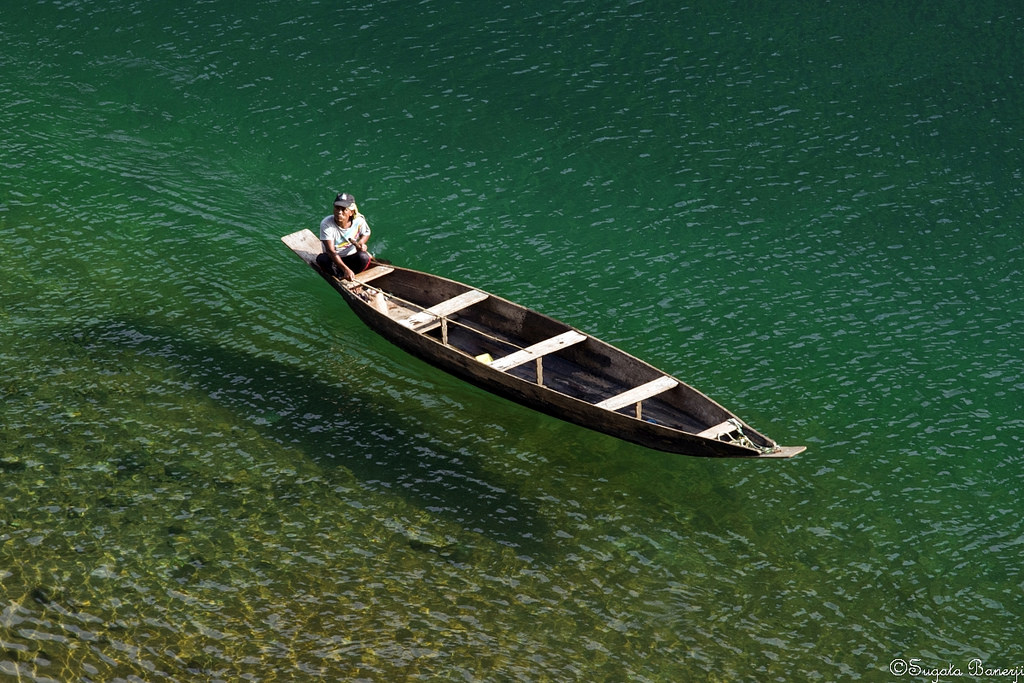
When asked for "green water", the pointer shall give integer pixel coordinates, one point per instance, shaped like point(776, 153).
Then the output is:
point(210, 470)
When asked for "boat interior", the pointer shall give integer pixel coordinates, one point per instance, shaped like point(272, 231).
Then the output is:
point(538, 349)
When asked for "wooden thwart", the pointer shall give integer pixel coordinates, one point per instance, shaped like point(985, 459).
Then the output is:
point(539, 349)
point(719, 430)
point(640, 393)
point(373, 273)
point(445, 308)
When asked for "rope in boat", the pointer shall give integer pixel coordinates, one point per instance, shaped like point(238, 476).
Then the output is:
point(738, 438)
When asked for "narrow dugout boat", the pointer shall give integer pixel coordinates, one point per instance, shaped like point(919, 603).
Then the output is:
point(540, 362)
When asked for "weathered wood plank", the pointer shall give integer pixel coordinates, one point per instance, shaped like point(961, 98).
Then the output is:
point(539, 349)
point(445, 308)
point(640, 393)
point(719, 429)
point(304, 243)
point(373, 273)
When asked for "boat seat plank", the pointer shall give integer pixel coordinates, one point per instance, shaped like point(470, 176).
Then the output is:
point(640, 393)
point(539, 349)
point(719, 430)
point(445, 308)
point(373, 273)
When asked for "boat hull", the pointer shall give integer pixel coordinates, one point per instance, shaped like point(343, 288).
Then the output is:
point(365, 300)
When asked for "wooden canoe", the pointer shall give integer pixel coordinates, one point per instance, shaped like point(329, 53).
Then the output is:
point(540, 362)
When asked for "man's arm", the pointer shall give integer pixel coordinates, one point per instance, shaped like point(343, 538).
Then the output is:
point(362, 235)
point(334, 256)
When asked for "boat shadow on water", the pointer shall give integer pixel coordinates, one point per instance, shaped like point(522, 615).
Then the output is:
point(336, 426)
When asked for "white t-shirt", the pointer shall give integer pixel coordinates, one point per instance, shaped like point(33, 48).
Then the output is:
point(342, 239)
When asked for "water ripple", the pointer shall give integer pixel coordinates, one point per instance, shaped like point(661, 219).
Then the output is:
point(210, 469)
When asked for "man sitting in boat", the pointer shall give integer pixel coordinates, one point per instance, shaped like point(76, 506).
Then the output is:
point(343, 235)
